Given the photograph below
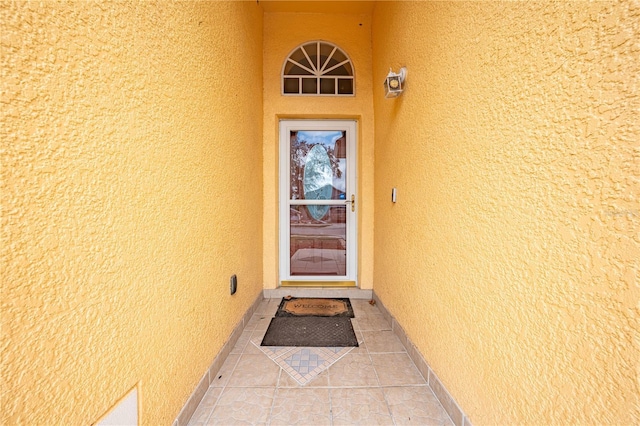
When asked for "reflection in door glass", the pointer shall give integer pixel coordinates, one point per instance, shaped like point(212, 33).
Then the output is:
point(318, 165)
point(318, 246)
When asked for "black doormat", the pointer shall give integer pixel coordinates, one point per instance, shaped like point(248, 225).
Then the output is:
point(310, 332)
point(315, 306)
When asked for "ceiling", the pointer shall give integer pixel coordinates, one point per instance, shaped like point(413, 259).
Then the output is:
point(318, 6)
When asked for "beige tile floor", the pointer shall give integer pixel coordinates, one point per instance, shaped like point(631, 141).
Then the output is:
point(374, 384)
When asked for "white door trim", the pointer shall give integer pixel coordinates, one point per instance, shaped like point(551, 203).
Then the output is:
point(286, 126)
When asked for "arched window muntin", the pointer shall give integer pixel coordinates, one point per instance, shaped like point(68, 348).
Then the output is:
point(318, 68)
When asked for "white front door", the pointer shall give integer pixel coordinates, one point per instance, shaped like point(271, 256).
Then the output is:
point(318, 202)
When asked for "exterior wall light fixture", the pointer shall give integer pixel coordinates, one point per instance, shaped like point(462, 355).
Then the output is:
point(394, 83)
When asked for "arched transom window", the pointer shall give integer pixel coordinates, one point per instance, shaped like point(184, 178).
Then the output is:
point(318, 68)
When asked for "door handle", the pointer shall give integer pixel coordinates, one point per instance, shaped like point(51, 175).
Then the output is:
point(352, 202)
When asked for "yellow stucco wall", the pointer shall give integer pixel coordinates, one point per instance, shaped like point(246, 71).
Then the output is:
point(512, 255)
point(284, 31)
point(131, 191)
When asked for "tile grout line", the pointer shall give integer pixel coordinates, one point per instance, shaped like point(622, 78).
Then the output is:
point(327, 387)
point(330, 405)
point(386, 401)
point(273, 401)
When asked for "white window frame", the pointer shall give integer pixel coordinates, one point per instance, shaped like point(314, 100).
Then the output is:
point(318, 73)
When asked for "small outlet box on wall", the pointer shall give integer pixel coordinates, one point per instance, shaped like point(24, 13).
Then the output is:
point(233, 284)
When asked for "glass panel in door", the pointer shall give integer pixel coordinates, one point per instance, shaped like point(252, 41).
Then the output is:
point(318, 203)
point(318, 246)
point(318, 166)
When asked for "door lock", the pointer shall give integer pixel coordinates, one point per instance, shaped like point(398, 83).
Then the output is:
point(352, 202)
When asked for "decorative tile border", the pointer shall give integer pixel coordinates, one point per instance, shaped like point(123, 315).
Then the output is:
point(450, 405)
point(194, 400)
point(302, 363)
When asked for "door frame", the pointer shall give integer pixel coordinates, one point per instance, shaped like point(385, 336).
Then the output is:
point(284, 231)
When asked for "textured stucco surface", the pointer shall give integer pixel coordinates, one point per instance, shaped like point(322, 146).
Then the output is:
point(284, 31)
point(131, 191)
point(512, 255)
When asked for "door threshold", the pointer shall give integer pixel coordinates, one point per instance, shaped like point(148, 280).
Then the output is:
point(342, 292)
point(318, 284)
